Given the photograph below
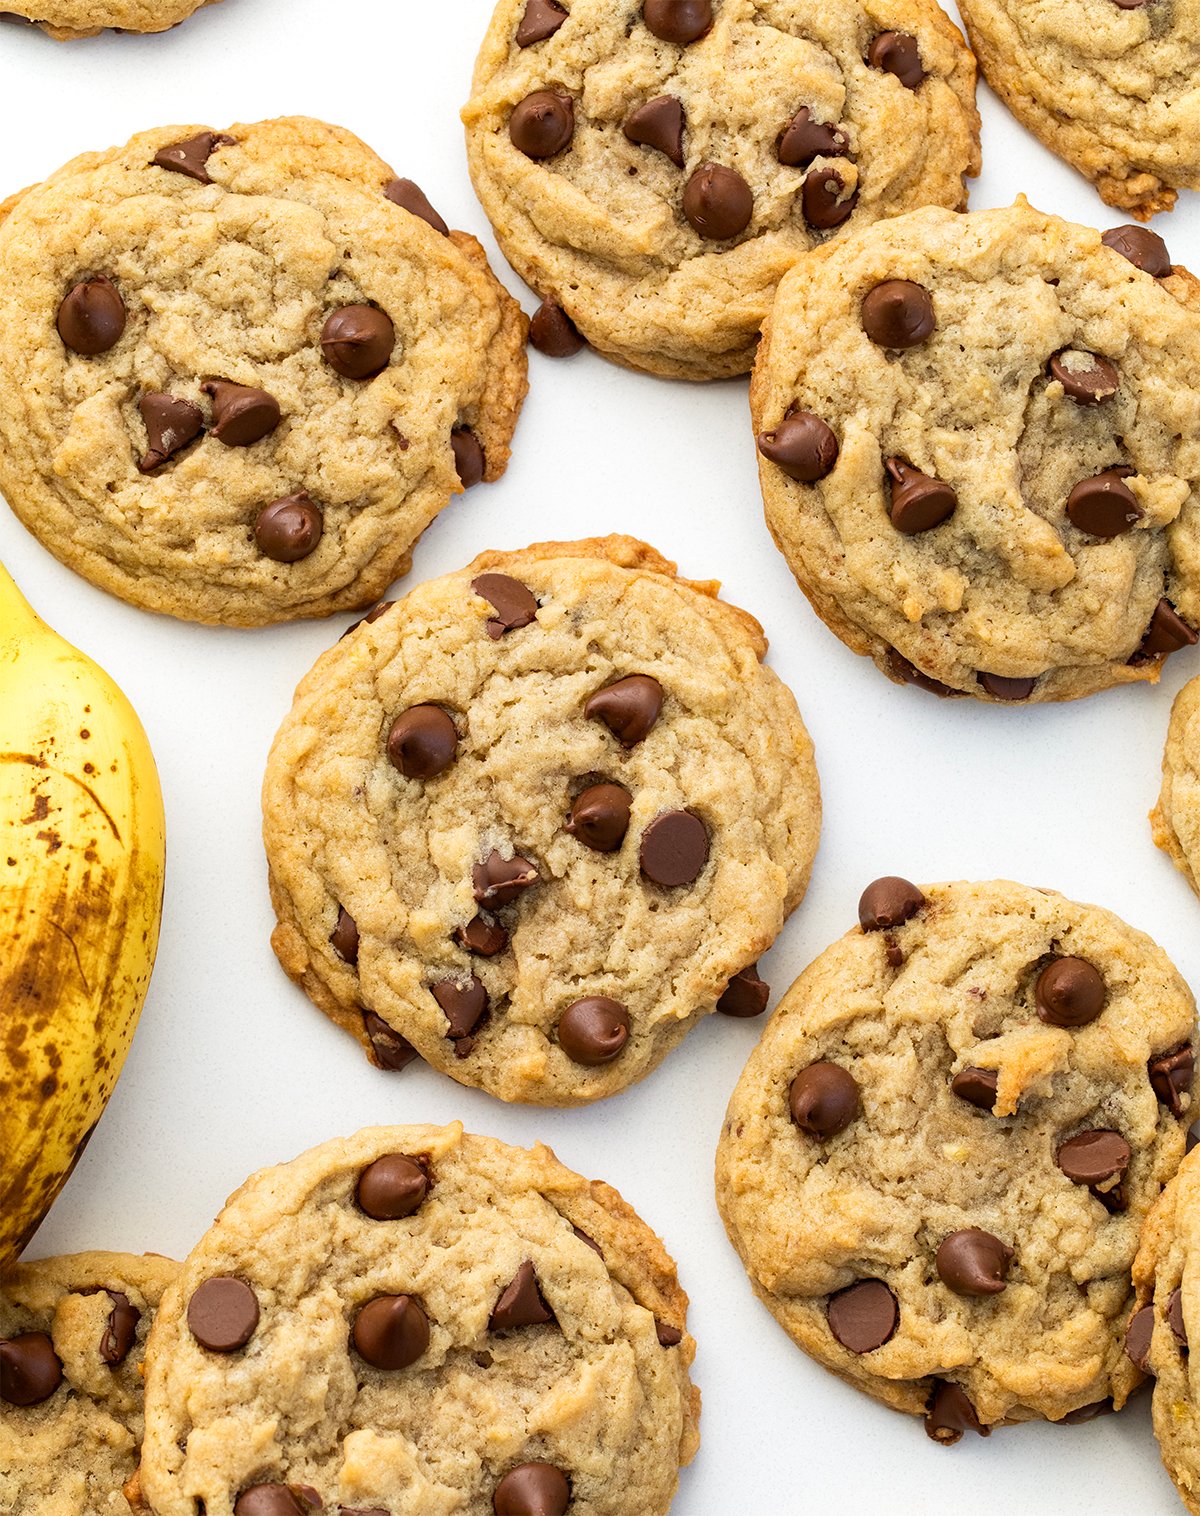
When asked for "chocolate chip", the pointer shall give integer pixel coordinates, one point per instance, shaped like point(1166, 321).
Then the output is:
point(949, 1413)
point(863, 1317)
point(241, 415)
point(718, 202)
point(532, 1489)
point(372, 615)
point(973, 1262)
point(804, 139)
point(898, 314)
point(1191, 1139)
point(745, 995)
point(628, 708)
point(590, 1242)
point(190, 157)
point(357, 341)
point(600, 817)
point(542, 18)
point(1144, 249)
point(1086, 383)
point(411, 197)
point(659, 124)
point(674, 848)
point(553, 332)
point(888, 903)
point(391, 1187)
point(542, 124)
point(170, 425)
point(469, 461)
point(668, 1336)
point(392, 1052)
point(908, 673)
point(1087, 1413)
point(823, 1099)
point(277, 1500)
point(802, 445)
point(976, 1086)
point(92, 317)
point(1171, 1077)
point(1001, 687)
point(1093, 1158)
point(374, 1510)
point(422, 742)
point(463, 1005)
point(1069, 992)
point(223, 1314)
point(1175, 1317)
point(482, 936)
point(897, 53)
point(1104, 506)
point(678, 21)
point(919, 501)
point(520, 1303)
point(498, 880)
point(120, 1331)
point(30, 1370)
point(512, 601)
point(1167, 633)
point(289, 529)
point(594, 1030)
point(1138, 1335)
point(391, 1331)
point(823, 199)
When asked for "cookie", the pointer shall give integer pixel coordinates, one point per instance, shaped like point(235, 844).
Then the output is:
point(653, 169)
point(979, 448)
point(937, 1161)
point(1108, 85)
point(421, 1322)
point(72, 1335)
point(241, 372)
point(65, 20)
point(1175, 820)
point(538, 818)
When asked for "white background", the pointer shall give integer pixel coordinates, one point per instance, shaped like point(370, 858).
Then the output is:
point(232, 1069)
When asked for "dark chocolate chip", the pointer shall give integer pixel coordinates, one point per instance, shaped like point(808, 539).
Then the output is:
point(1094, 1158)
point(391, 1051)
point(512, 601)
point(1002, 687)
point(678, 21)
point(170, 425)
point(658, 124)
point(804, 139)
point(919, 501)
point(600, 817)
point(357, 341)
point(674, 848)
point(520, 1303)
point(411, 197)
point(976, 1086)
point(888, 903)
point(1104, 506)
point(718, 202)
point(392, 1187)
point(908, 673)
point(463, 1005)
point(1175, 1317)
point(745, 995)
point(973, 1262)
point(277, 1500)
point(949, 1413)
point(1086, 383)
point(897, 53)
point(469, 461)
point(541, 19)
point(823, 1099)
point(92, 317)
point(289, 529)
point(391, 1331)
point(802, 445)
point(190, 157)
point(241, 415)
point(864, 1316)
point(1143, 248)
point(823, 199)
point(628, 708)
point(120, 1331)
point(1167, 633)
point(1171, 1077)
point(30, 1369)
point(422, 742)
point(1069, 992)
point(553, 332)
point(1137, 1338)
point(482, 936)
point(223, 1314)
point(498, 880)
point(532, 1489)
point(898, 314)
point(542, 124)
point(590, 1242)
point(668, 1336)
point(594, 1030)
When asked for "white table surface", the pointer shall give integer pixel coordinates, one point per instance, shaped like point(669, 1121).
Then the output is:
point(233, 1069)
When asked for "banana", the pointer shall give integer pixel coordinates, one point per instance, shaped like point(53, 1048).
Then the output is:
point(82, 856)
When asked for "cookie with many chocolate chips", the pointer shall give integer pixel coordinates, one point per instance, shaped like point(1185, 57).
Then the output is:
point(241, 371)
point(414, 1321)
point(72, 1335)
point(652, 169)
point(979, 448)
point(66, 20)
point(538, 818)
point(1175, 820)
point(938, 1159)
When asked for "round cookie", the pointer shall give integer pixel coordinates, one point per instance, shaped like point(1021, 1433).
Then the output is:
point(979, 449)
point(72, 1335)
point(1108, 85)
point(535, 818)
point(408, 1319)
point(65, 20)
point(241, 372)
point(1175, 820)
point(937, 1161)
point(652, 169)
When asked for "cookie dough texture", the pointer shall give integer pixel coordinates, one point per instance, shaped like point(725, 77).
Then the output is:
point(1008, 586)
point(1175, 820)
point(1111, 89)
point(66, 20)
point(71, 1454)
point(344, 829)
point(812, 1216)
point(599, 227)
point(592, 1391)
point(234, 280)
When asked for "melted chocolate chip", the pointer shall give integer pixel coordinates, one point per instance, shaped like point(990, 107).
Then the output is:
point(1175, 1317)
point(823, 199)
point(411, 197)
point(92, 317)
point(357, 341)
point(1171, 1077)
point(973, 1262)
point(804, 139)
point(391, 1332)
point(482, 936)
point(222, 1314)
point(745, 995)
point(1093, 1159)
point(422, 742)
point(976, 1086)
point(919, 501)
point(1086, 382)
point(392, 1187)
point(600, 817)
point(802, 445)
point(541, 19)
point(949, 1413)
point(170, 425)
point(289, 529)
point(520, 1303)
point(823, 1099)
point(897, 53)
point(277, 1500)
point(469, 461)
point(532, 1489)
point(120, 1331)
point(898, 314)
point(908, 673)
point(678, 21)
point(1002, 687)
point(241, 415)
point(542, 124)
point(628, 708)
point(191, 156)
point(718, 202)
point(30, 1370)
point(674, 848)
point(594, 1030)
point(390, 1050)
point(553, 332)
point(1142, 247)
point(463, 1005)
point(1069, 992)
point(1138, 1335)
point(1104, 506)
point(658, 124)
point(888, 903)
point(512, 601)
point(863, 1317)
point(498, 881)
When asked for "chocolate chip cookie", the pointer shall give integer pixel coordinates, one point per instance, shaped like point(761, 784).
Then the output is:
point(651, 169)
point(1109, 85)
point(417, 1322)
point(1175, 820)
point(937, 1161)
point(65, 20)
point(538, 818)
point(72, 1335)
point(979, 448)
point(241, 371)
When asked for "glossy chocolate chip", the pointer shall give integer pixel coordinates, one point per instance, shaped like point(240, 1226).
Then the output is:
point(823, 1099)
point(463, 1005)
point(553, 332)
point(482, 936)
point(411, 197)
point(888, 903)
point(919, 501)
point(600, 817)
point(469, 461)
point(897, 53)
point(223, 1314)
point(357, 341)
point(898, 314)
point(1167, 633)
point(674, 848)
point(1175, 1317)
point(718, 202)
point(277, 1500)
point(976, 1086)
point(120, 1330)
point(973, 1262)
point(908, 673)
point(823, 199)
point(542, 124)
point(540, 19)
point(92, 317)
point(1094, 1158)
point(745, 995)
point(1001, 687)
point(593, 1030)
point(390, 1050)
point(391, 1331)
point(802, 445)
point(628, 708)
point(190, 157)
point(658, 124)
point(804, 139)
point(1142, 247)
point(422, 742)
point(241, 415)
point(949, 1413)
point(170, 424)
point(1085, 377)
point(392, 1187)
point(289, 529)
point(863, 1317)
point(1104, 506)
point(1171, 1077)
point(678, 21)
point(1137, 1338)
point(498, 880)
point(668, 1336)
point(520, 1303)
point(532, 1489)
point(1069, 992)
point(513, 603)
point(30, 1370)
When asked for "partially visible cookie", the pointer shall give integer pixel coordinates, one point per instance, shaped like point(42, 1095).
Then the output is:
point(241, 371)
point(938, 1159)
point(1175, 820)
point(419, 1322)
point(652, 169)
point(979, 448)
point(538, 818)
point(72, 1334)
point(65, 20)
